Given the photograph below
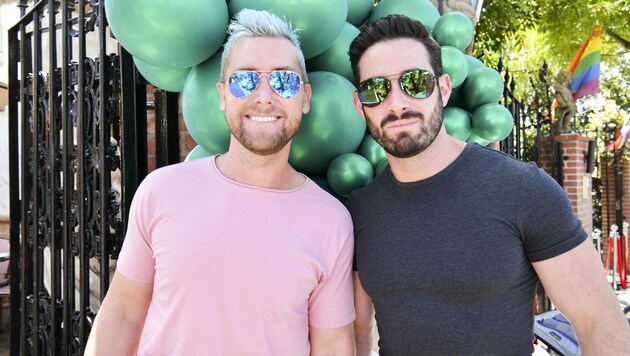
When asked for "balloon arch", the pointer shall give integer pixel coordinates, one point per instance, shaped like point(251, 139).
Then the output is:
point(177, 47)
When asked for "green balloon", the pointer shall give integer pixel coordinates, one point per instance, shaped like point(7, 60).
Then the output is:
point(319, 22)
point(492, 122)
point(421, 10)
point(169, 33)
point(473, 63)
point(474, 138)
point(453, 29)
point(170, 79)
point(456, 100)
point(359, 11)
point(482, 86)
point(380, 167)
point(457, 123)
point(200, 106)
point(199, 152)
point(336, 59)
point(371, 150)
point(331, 127)
point(348, 172)
point(455, 65)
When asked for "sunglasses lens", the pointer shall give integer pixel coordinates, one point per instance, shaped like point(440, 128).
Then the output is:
point(417, 83)
point(373, 91)
point(285, 82)
point(243, 83)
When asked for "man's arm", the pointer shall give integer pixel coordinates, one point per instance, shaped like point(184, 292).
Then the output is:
point(119, 322)
point(332, 342)
point(364, 322)
point(576, 283)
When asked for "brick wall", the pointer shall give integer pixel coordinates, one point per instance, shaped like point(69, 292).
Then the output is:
point(576, 182)
point(607, 169)
point(186, 142)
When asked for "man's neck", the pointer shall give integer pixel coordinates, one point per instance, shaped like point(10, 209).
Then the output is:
point(269, 171)
point(439, 155)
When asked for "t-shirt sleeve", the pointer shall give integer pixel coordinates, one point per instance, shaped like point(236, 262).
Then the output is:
point(136, 261)
point(549, 225)
point(331, 304)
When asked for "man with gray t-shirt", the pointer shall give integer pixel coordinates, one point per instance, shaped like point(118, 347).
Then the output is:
point(451, 239)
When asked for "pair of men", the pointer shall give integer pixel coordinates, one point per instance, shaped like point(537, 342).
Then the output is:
point(239, 254)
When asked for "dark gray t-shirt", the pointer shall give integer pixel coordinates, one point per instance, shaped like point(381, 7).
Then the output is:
point(447, 260)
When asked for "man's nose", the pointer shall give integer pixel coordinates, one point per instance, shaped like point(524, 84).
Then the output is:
point(399, 101)
point(265, 93)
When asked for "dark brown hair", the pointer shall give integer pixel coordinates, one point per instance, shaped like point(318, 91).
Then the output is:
point(394, 27)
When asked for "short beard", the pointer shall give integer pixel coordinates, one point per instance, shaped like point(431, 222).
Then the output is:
point(266, 146)
point(263, 144)
point(406, 145)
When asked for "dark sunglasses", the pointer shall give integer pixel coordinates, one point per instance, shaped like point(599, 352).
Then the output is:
point(417, 83)
point(285, 83)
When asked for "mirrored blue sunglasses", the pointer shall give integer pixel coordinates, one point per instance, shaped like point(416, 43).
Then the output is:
point(244, 83)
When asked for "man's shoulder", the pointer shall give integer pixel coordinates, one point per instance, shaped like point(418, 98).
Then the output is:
point(366, 196)
point(501, 162)
point(321, 199)
point(180, 169)
point(499, 168)
point(175, 177)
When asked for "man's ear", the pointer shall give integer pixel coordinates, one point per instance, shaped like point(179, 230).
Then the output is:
point(357, 104)
point(220, 87)
point(306, 106)
point(445, 88)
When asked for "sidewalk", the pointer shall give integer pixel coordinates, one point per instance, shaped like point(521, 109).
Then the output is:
point(624, 297)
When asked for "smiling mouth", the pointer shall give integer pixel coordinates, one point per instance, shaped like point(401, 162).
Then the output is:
point(263, 118)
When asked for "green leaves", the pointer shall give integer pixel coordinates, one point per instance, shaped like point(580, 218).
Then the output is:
point(562, 25)
point(526, 33)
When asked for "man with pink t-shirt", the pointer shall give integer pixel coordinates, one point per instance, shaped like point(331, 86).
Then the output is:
point(237, 254)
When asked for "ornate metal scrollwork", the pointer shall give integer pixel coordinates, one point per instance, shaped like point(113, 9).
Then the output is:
point(70, 113)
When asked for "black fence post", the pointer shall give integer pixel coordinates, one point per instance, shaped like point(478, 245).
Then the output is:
point(166, 127)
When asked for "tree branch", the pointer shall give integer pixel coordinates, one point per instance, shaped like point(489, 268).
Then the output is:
point(625, 43)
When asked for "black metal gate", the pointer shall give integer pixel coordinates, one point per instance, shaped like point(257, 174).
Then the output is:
point(524, 141)
point(78, 150)
point(514, 143)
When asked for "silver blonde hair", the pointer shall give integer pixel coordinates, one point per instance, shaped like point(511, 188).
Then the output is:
point(255, 23)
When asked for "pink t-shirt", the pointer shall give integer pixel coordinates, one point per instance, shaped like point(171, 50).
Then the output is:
point(236, 269)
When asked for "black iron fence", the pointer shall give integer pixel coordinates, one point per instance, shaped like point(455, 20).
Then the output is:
point(78, 150)
point(532, 118)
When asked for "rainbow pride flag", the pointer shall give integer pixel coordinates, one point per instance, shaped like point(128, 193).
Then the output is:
point(585, 66)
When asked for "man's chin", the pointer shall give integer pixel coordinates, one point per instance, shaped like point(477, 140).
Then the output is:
point(403, 150)
point(268, 149)
point(404, 153)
